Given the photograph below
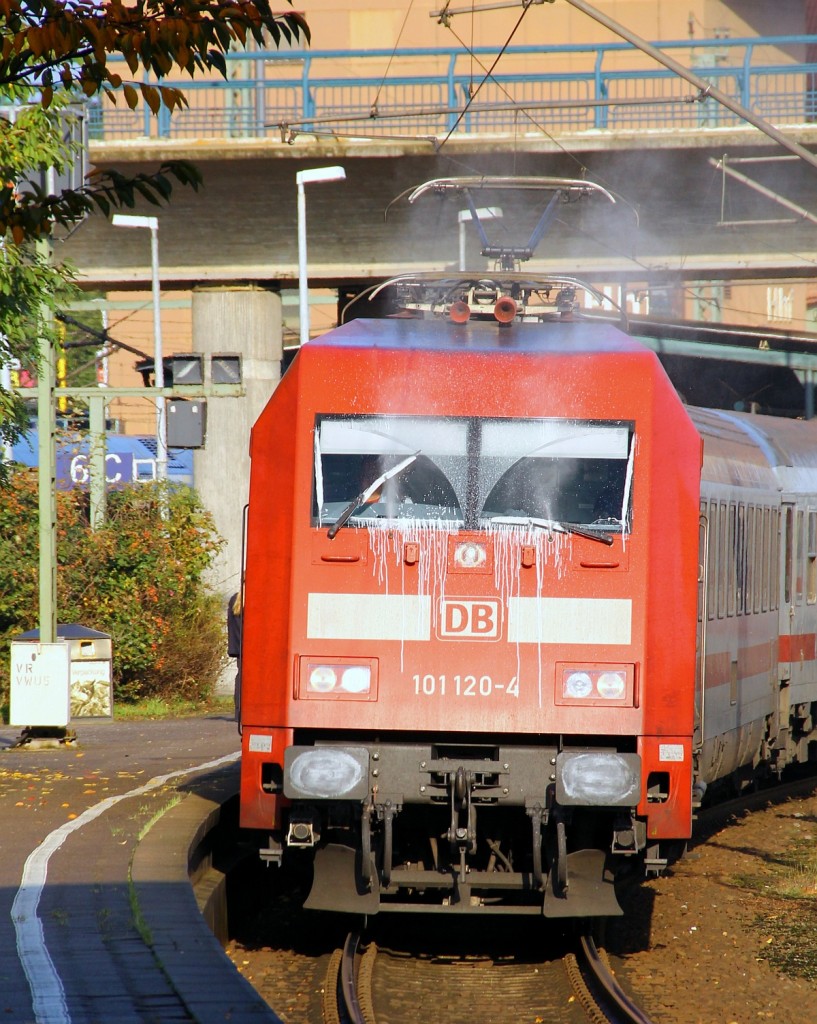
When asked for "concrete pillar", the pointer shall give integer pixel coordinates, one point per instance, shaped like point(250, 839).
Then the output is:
point(245, 319)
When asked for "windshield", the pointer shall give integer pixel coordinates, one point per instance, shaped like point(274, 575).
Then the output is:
point(472, 473)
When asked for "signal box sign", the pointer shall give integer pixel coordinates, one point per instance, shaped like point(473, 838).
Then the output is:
point(40, 683)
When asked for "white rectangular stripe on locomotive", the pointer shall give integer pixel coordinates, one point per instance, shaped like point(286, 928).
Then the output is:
point(532, 620)
point(569, 620)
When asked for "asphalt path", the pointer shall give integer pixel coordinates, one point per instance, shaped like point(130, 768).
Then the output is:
point(72, 949)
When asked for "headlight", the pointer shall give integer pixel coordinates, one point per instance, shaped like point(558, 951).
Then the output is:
point(357, 679)
point(337, 678)
point(322, 678)
point(578, 684)
point(611, 685)
point(470, 555)
point(595, 684)
point(329, 773)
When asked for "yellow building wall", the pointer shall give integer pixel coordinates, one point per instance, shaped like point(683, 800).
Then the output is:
point(339, 24)
point(131, 320)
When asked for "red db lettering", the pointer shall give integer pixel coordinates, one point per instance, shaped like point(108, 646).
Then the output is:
point(474, 620)
point(456, 617)
point(482, 618)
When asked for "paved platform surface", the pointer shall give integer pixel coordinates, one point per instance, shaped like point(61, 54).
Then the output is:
point(79, 941)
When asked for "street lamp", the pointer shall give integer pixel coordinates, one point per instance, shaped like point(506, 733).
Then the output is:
point(312, 176)
point(124, 220)
point(484, 213)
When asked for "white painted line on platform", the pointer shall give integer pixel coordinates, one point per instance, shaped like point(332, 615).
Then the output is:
point(47, 993)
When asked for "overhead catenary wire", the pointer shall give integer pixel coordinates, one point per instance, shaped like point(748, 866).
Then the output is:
point(485, 78)
point(487, 107)
point(708, 90)
point(391, 57)
point(705, 91)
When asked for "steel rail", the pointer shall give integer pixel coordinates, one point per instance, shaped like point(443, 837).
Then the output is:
point(602, 998)
point(348, 990)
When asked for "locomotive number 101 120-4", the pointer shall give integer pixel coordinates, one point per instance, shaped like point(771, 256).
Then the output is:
point(430, 685)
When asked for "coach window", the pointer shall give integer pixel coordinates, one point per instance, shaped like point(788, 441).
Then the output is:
point(811, 559)
point(750, 558)
point(799, 549)
point(757, 548)
point(774, 546)
point(731, 560)
point(712, 562)
point(764, 564)
point(788, 540)
point(701, 553)
point(740, 591)
point(723, 561)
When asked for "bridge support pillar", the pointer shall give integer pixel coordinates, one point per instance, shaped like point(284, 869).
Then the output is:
point(246, 319)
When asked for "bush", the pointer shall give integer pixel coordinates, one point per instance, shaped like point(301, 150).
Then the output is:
point(139, 578)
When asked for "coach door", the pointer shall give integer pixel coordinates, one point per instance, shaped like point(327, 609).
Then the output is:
point(788, 576)
point(798, 594)
point(700, 651)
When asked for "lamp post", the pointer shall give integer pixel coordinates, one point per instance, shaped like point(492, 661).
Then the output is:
point(124, 220)
point(309, 177)
point(484, 213)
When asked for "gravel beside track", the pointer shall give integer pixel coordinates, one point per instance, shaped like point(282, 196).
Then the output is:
point(712, 942)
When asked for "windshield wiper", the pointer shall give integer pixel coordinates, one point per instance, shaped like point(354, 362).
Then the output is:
point(555, 525)
point(364, 495)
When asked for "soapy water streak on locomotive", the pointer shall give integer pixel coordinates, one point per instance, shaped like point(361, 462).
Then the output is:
point(510, 606)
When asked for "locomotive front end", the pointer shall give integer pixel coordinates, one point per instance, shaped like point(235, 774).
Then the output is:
point(485, 592)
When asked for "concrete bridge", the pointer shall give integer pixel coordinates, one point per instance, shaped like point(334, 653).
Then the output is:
point(679, 217)
point(396, 118)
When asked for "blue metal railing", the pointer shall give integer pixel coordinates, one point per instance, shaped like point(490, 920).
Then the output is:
point(534, 89)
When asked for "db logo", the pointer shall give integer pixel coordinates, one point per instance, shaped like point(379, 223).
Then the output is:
point(472, 620)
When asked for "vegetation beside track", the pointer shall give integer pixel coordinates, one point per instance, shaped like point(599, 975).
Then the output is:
point(155, 709)
point(787, 888)
point(140, 578)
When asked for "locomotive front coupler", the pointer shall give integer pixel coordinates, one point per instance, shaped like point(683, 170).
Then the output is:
point(462, 832)
point(539, 818)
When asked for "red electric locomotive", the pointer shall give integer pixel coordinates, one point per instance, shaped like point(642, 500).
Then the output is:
point(473, 676)
point(469, 632)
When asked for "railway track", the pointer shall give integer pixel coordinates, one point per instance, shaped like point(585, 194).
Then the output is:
point(411, 973)
point(347, 982)
point(602, 998)
point(363, 986)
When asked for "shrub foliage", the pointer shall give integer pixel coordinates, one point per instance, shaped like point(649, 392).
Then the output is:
point(140, 578)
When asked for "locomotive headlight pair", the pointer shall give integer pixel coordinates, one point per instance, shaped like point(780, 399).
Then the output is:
point(337, 679)
point(600, 684)
point(355, 679)
point(610, 685)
